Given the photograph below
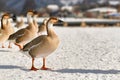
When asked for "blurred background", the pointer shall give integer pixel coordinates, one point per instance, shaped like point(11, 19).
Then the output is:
point(98, 9)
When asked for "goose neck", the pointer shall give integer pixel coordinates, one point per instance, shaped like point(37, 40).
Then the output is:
point(48, 27)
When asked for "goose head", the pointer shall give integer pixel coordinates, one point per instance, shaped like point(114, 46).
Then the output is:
point(30, 13)
point(53, 20)
point(5, 20)
point(35, 16)
point(30, 16)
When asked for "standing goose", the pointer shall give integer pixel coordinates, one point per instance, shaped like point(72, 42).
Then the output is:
point(42, 28)
point(43, 45)
point(19, 22)
point(25, 35)
point(21, 31)
point(6, 29)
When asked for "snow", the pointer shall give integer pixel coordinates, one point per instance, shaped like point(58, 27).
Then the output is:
point(78, 19)
point(83, 54)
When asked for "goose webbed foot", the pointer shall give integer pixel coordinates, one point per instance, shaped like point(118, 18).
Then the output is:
point(45, 68)
point(33, 68)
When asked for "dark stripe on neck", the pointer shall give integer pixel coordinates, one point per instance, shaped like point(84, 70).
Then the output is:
point(47, 27)
point(2, 23)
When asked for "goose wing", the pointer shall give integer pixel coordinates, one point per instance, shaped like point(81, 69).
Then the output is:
point(17, 34)
point(35, 41)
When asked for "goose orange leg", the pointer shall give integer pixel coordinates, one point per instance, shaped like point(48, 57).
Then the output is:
point(20, 46)
point(3, 45)
point(44, 67)
point(9, 46)
point(33, 68)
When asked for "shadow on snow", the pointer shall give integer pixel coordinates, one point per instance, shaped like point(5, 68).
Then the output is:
point(84, 71)
point(13, 67)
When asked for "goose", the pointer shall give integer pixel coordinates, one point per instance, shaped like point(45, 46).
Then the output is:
point(42, 28)
point(43, 45)
point(25, 35)
point(19, 22)
point(21, 31)
point(6, 29)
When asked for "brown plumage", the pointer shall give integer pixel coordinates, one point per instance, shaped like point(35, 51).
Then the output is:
point(25, 35)
point(44, 45)
point(6, 29)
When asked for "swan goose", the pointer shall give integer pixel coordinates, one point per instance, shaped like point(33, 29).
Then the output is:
point(25, 35)
point(6, 29)
point(43, 45)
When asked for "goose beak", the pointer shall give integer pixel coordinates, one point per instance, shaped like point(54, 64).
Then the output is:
point(60, 21)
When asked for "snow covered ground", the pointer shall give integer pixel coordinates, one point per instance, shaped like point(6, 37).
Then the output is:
point(83, 54)
point(78, 19)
